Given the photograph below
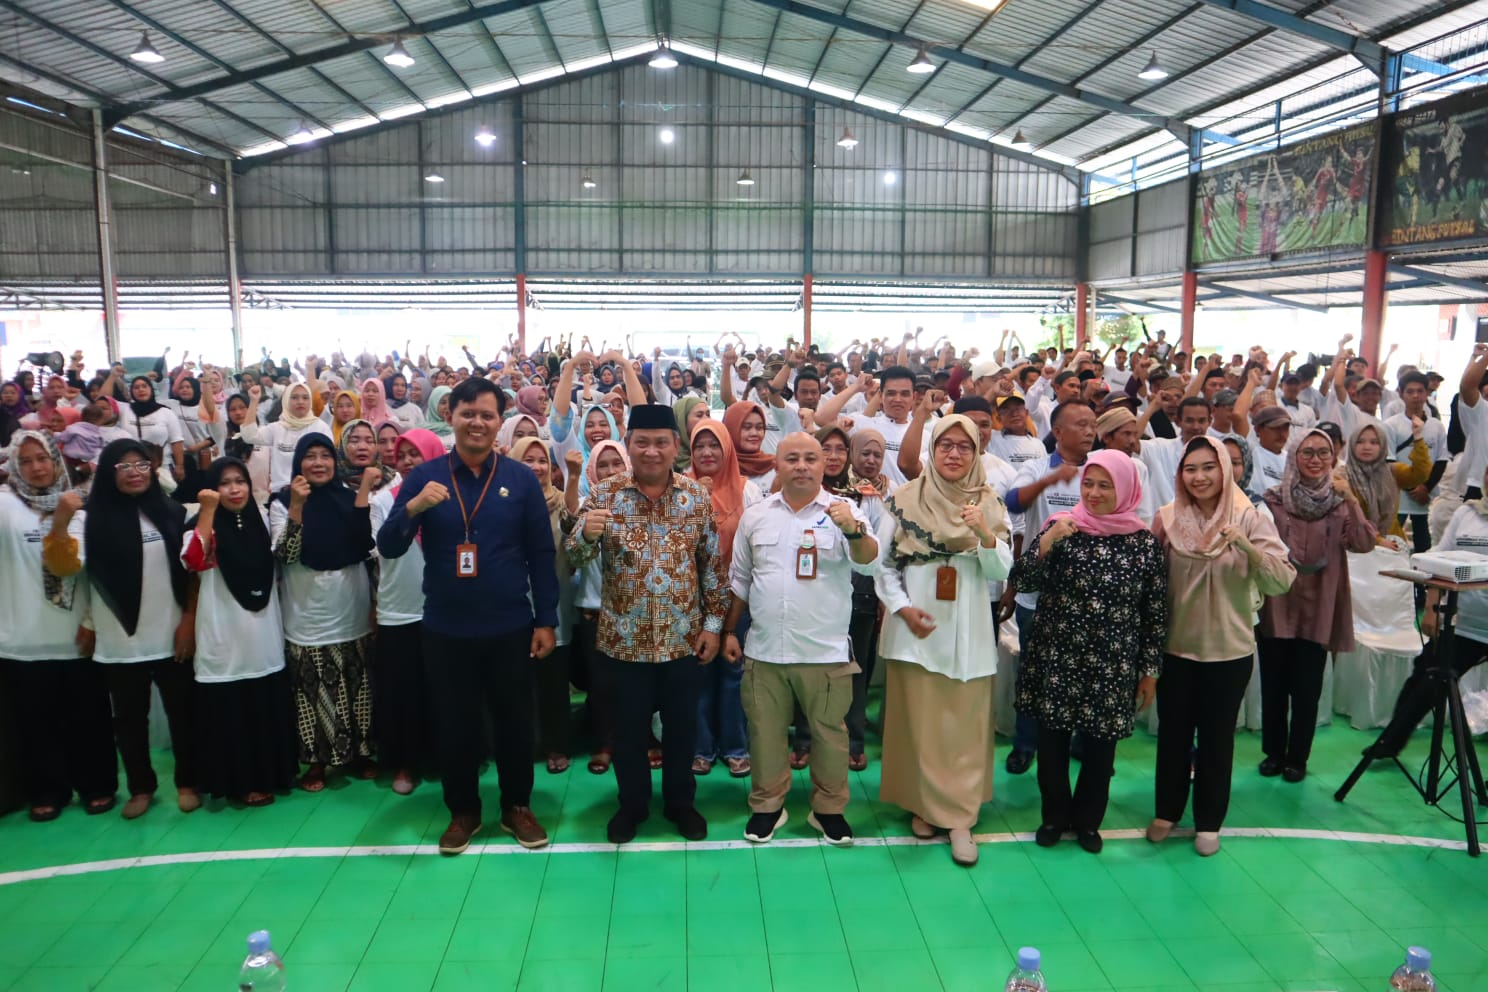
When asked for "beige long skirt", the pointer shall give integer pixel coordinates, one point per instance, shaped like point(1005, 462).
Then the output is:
point(937, 745)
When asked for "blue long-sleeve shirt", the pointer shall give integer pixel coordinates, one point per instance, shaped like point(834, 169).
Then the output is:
point(514, 543)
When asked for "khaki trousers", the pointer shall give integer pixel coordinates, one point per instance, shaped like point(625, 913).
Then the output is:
point(770, 694)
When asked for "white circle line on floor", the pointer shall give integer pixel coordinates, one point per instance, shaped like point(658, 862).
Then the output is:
point(395, 850)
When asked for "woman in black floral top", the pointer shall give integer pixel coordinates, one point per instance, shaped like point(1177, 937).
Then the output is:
point(1098, 634)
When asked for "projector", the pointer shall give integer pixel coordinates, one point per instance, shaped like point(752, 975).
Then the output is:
point(1458, 566)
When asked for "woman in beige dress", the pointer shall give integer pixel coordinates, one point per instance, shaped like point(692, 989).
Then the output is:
point(943, 537)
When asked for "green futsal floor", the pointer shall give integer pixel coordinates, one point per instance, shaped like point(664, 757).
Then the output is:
point(349, 885)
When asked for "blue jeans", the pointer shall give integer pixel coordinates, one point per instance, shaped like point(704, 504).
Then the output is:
point(722, 730)
point(1025, 732)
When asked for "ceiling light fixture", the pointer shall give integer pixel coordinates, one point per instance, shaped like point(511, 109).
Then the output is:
point(302, 134)
point(484, 137)
point(745, 179)
point(145, 52)
point(1153, 70)
point(667, 136)
point(588, 181)
point(1021, 142)
point(211, 189)
point(433, 177)
point(663, 59)
point(991, 6)
point(890, 178)
point(921, 63)
point(398, 55)
point(847, 140)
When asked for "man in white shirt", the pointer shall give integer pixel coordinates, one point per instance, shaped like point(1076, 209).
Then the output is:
point(1046, 486)
point(887, 412)
point(794, 555)
point(1472, 410)
point(1289, 396)
point(1415, 504)
point(1117, 429)
point(1120, 375)
point(1273, 430)
point(1162, 454)
point(1013, 444)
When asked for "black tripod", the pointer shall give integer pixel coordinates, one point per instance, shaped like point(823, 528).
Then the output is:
point(1443, 769)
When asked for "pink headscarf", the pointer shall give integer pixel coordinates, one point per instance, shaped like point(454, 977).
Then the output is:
point(428, 445)
point(527, 402)
point(590, 467)
point(1123, 519)
point(376, 412)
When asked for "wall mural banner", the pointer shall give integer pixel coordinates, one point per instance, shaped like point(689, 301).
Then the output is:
point(1304, 197)
point(1435, 173)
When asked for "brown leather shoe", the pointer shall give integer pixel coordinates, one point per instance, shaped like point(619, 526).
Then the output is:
point(456, 837)
point(521, 824)
point(136, 806)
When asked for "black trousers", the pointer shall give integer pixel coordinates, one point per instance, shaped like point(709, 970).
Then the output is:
point(400, 699)
point(467, 676)
point(62, 730)
point(584, 670)
point(552, 701)
point(1197, 698)
point(129, 687)
point(1083, 809)
point(638, 689)
point(1291, 673)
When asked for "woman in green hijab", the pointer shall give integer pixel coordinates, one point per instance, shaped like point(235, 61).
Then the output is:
point(687, 412)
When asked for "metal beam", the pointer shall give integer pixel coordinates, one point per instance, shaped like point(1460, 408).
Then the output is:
point(86, 167)
point(202, 53)
point(108, 119)
point(1145, 304)
point(542, 22)
point(103, 216)
point(1370, 53)
point(1017, 75)
point(603, 30)
point(1280, 301)
point(459, 80)
point(1457, 282)
point(234, 281)
point(377, 63)
point(1084, 12)
point(351, 46)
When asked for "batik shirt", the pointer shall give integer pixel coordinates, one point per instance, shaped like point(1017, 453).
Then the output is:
point(663, 578)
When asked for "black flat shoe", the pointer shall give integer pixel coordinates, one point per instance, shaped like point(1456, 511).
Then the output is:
point(1294, 773)
point(1269, 768)
point(1047, 836)
point(1019, 762)
point(1090, 840)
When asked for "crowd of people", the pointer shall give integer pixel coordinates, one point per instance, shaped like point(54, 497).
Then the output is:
point(395, 568)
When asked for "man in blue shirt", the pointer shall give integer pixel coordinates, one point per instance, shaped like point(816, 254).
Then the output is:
point(486, 543)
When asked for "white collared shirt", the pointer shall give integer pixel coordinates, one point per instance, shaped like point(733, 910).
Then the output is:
point(795, 621)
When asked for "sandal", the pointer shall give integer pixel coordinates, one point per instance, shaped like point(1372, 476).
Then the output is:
point(101, 804)
point(258, 799)
point(403, 782)
point(857, 762)
point(654, 757)
point(701, 765)
point(314, 779)
point(557, 764)
point(45, 814)
point(366, 769)
point(738, 767)
point(800, 759)
point(599, 761)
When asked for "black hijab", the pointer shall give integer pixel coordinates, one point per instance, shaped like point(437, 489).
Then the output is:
point(244, 555)
point(111, 535)
point(146, 407)
point(387, 384)
point(337, 533)
point(236, 447)
point(195, 391)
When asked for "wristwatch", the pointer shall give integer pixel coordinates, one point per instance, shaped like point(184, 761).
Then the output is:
point(858, 536)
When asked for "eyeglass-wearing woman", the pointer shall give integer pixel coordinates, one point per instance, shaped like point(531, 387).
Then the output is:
point(322, 536)
point(245, 710)
point(942, 537)
point(1318, 518)
point(59, 696)
point(399, 694)
point(1097, 640)
point(130, 540)
point(1223, 555)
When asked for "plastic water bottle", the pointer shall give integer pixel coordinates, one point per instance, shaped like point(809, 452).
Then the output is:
point(1415, 974)
point(262, 969)
point(1026, 977)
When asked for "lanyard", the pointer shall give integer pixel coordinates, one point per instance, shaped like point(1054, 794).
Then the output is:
point(455, 485)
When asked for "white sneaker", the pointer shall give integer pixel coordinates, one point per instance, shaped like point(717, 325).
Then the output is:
point(1206, 842)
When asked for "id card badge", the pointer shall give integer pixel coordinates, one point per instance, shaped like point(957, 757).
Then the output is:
point(945, 582)
point(806, 556)
point(465, 566)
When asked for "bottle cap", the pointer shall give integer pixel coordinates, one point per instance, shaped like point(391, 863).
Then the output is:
point(1028, 958)
point(258, 942)
point(1418, 958)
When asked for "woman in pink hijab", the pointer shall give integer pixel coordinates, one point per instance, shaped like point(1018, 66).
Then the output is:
point(1096, 648)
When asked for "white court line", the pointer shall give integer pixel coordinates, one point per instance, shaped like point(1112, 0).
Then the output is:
point(372, 851)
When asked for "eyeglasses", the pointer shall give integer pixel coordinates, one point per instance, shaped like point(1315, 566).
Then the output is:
point(1315, 454)
point(132, 468)
point(947, 447)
